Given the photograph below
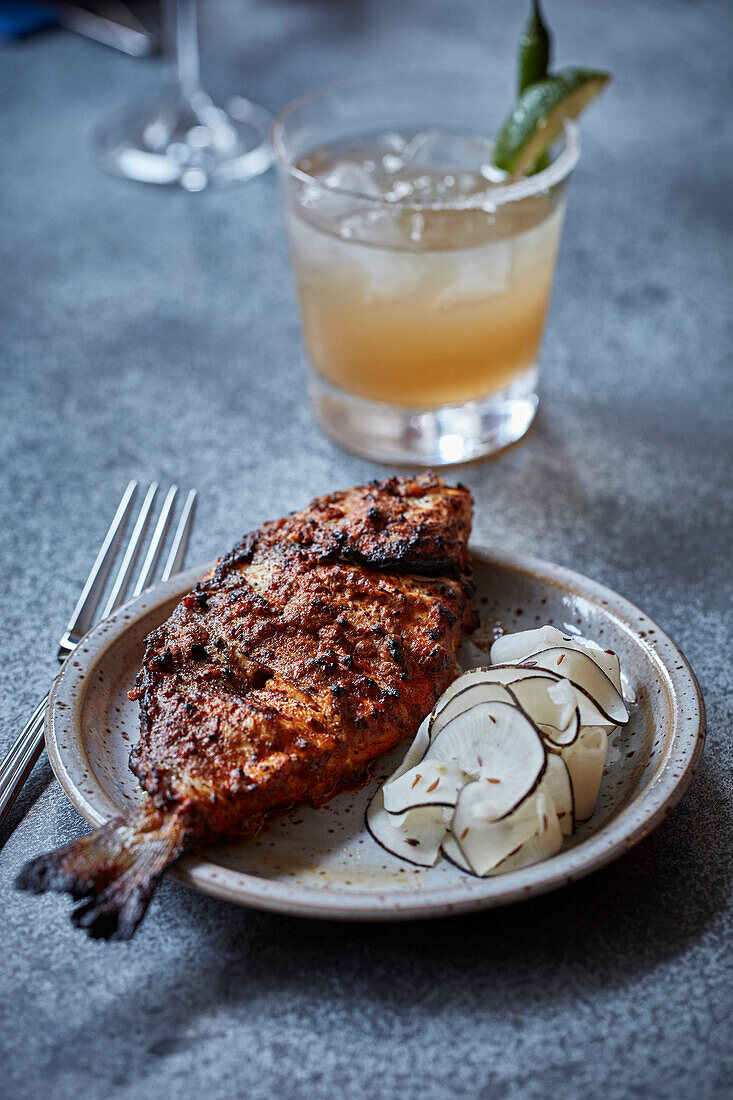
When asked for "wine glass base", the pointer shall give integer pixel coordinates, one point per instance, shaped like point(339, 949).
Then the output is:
point(426, 437)
point(190, 143)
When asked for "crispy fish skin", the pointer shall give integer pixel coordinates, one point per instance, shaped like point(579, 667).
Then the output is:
point(315, 646)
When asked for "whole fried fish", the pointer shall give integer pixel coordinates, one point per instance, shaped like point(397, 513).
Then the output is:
point(316, 645)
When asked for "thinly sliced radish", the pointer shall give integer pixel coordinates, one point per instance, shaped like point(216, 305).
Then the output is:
point(480, 692)
point(429, 783)
point(545, 842)
point(611, 665)
point(511, 648)
point(509, 760)
point(554, 703)
point(606, 659)
point(564, 696)
point(506, 676)
point(416, 751)
point(466, 679)
point(415, 836)
point(583, 673)
point(495, 674)
point(452, 852)
point(557, 787)
point(498, 743)
point(559, 720)
point(536, 820)
point(484, 841)
point(585, 761)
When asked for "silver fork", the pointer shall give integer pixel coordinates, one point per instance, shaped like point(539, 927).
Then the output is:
point(18, 764)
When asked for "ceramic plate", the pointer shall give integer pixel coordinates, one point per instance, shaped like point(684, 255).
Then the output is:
point(322, 862)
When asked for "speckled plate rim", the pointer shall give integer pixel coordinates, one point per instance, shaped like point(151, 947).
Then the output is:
point(644, 812)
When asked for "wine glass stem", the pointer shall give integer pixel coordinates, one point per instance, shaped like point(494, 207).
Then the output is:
point(183, 15)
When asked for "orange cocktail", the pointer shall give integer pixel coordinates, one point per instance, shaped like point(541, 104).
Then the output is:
point(423, 279)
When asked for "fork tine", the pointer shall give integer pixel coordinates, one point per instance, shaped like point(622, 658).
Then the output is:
point(18, 764)
point(119, 588)
point(82, 618)
point(177, 554)
point(156, 542)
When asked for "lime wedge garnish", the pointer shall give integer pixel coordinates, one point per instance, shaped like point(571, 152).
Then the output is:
point(537, 117)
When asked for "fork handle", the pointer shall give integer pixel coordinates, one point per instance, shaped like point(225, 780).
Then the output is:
point(18, 764)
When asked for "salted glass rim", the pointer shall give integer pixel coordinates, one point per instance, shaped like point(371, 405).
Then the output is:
point(540, 182)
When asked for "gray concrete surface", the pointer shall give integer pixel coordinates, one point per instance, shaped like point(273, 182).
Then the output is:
point(154, 334)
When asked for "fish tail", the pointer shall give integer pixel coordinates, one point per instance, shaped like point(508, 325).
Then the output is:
point(116, 868)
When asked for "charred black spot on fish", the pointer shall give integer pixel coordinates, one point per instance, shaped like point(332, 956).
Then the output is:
point(377, 518)
point(197, 599)
point(161, 662)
